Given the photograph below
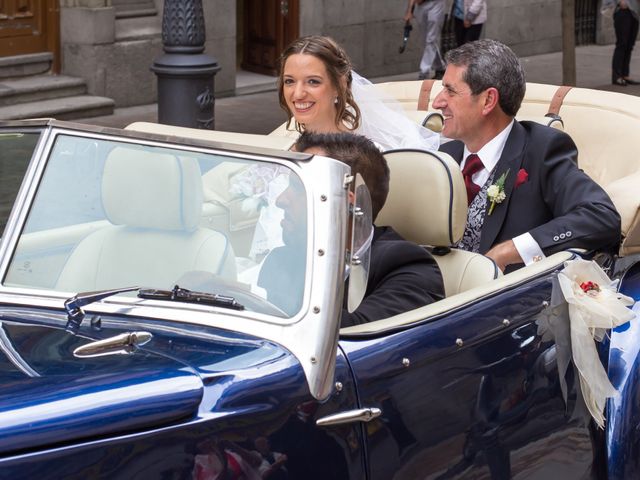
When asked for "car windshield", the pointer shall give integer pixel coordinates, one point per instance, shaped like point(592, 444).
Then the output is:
point(111, 214)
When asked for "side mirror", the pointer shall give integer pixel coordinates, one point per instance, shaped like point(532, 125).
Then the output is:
point(361, 237)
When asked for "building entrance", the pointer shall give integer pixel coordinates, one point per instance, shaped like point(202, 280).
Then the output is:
point(29, 26)
point(267, 27)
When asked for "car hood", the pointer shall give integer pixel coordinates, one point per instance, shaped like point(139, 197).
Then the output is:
point(51, 397)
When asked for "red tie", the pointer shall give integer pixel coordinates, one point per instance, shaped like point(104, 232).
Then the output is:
point(471, 166)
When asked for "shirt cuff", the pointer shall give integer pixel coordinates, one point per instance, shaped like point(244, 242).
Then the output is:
point(528, 248)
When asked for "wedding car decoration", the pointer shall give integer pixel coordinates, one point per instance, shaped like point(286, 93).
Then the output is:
point(595, 306)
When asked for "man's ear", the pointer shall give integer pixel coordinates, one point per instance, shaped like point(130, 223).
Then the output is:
point(491, 100)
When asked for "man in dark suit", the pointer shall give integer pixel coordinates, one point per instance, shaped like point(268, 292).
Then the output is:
point(527, 197)
point(402, 275)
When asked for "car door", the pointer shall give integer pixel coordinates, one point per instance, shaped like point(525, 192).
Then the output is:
point(473, 393)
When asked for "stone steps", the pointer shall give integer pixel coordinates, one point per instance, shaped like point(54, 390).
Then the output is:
point(39, 87)
point(67, 108)
point(24, 65)
point(27, 90)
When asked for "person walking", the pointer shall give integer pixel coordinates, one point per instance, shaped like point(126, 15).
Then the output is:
point(625, 23)
point(468, 18)
point(430, 14)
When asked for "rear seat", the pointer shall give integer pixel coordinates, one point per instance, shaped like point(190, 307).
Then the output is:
point(603, 125)
point(427, 204)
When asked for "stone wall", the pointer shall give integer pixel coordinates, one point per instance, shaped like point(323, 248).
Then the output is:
point(371, 30)
point(114, 54)
point(220, 23)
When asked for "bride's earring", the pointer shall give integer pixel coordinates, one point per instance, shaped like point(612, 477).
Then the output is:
point(335, 100)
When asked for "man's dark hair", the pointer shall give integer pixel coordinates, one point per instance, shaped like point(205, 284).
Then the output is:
point(491, 64)
point(360, 154)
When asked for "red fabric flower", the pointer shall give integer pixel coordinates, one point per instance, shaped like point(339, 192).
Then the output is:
point(590, 287)
point(522, 177)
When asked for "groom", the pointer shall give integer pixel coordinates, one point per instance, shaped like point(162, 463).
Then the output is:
point(527, 197)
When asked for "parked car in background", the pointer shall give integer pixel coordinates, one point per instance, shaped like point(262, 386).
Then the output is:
point(138, 339)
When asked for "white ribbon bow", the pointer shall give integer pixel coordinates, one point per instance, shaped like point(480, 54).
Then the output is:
point(591, 313)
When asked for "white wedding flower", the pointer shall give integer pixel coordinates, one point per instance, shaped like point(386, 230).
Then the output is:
point(493, 191)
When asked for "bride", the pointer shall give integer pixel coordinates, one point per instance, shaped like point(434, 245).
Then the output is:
point(320, 92)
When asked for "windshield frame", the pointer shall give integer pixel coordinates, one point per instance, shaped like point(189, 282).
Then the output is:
point(311, 334)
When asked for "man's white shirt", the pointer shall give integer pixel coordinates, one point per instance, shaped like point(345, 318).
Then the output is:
point(489, 155)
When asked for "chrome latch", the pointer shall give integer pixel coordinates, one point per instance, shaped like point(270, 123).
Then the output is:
point(122, 344)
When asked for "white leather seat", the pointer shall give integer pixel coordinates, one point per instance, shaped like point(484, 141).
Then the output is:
point(427, 204)
point(153, 202)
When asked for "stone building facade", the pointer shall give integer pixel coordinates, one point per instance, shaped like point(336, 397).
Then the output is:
point(112, 43)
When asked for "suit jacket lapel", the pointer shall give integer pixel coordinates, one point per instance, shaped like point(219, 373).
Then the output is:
point(510, 160)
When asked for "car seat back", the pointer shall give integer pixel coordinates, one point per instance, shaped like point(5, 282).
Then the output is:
point(154, 203)
point(427, 204)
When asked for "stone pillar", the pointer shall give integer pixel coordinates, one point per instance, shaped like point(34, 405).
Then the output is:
point(185, 74)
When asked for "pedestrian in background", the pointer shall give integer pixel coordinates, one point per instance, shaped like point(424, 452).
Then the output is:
point(625, 23)
point(468, 17)
point(430, 14)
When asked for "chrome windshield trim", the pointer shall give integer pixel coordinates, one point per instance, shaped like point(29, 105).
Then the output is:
point(23, 201)
point(311, 335)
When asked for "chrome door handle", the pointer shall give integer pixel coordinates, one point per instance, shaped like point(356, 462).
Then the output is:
point(124, 343)
point(359, 415)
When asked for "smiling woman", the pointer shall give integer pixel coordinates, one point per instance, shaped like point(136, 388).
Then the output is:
point(321, 93)
point(314, 86)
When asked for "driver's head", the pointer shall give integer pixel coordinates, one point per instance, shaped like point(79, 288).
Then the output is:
point(359, 153)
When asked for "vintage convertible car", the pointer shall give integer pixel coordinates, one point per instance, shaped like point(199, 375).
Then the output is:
point(142, 335)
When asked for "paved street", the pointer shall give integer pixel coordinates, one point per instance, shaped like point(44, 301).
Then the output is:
point(260, 112)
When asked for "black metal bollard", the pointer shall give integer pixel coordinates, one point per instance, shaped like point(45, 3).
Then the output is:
point(185, 74)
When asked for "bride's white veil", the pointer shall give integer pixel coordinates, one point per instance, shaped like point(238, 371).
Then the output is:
point(383, 121)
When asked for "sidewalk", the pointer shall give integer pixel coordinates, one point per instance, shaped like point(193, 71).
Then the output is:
point(260, 112)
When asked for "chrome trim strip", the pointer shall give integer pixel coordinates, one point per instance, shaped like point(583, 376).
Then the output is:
point(20, 206)
point(14, 357)
point(359, 415)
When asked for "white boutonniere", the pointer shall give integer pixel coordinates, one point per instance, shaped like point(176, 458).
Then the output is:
point(495, 192)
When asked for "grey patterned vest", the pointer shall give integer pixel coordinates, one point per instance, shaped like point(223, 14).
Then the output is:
point(475, 218)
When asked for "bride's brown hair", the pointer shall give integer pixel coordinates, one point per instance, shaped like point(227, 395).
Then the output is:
point(338, 67)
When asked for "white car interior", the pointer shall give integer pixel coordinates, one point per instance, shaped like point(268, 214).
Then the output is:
point(603, 125)
point(427, 204)
point(427, 199)
point(155, 232)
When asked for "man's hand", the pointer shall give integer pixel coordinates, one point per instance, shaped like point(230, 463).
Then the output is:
point(409, 15)
point(504, 254)
point(467, 24)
